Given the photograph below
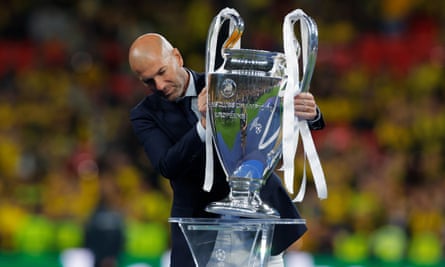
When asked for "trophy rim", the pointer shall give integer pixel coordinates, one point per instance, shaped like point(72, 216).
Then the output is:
point(254, 51)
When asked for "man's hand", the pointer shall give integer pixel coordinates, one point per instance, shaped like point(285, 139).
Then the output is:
point(305, 106)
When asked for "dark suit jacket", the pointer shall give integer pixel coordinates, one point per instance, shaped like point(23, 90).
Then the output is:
point(167, 132)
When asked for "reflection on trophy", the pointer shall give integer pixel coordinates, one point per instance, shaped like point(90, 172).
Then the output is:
point(245, 114)
point(245, 111)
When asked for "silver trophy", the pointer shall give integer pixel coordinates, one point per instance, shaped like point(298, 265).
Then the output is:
point(245, 111)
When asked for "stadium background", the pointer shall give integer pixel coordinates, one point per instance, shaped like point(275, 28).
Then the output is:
point(68, 157)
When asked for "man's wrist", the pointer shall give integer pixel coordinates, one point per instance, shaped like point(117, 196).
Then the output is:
point(201, 130)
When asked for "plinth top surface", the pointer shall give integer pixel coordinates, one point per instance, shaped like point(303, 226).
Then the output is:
point(234, 220)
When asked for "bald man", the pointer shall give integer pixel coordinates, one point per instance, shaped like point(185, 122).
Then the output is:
point(170, 124)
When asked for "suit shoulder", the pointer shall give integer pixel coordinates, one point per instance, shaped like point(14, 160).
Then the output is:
point(142, 107)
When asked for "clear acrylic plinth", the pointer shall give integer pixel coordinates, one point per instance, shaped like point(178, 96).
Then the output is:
point(230, 242)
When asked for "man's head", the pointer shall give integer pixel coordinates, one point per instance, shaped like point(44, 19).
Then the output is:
point(158, 65)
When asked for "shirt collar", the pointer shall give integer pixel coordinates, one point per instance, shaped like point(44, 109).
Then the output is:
point(191, 89)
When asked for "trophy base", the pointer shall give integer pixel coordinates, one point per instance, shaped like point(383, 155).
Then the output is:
point(242, 209)
point(243, 201)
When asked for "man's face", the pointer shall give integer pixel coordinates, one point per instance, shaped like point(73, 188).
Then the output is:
point(165, 75)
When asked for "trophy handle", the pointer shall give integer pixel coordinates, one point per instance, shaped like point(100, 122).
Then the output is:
point(292, 126)
point(235, 32)
point(312, 49)
point(309, 41)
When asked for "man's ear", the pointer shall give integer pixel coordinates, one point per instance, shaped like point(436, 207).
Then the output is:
point(178, 56)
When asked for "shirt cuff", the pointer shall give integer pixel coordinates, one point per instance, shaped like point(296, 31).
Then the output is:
point(201, 131)
point(317, 117)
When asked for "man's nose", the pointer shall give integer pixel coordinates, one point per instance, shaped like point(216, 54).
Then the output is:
point(159, 83)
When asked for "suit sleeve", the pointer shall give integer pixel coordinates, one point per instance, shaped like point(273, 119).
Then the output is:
point(170, 155)
point(318, 122)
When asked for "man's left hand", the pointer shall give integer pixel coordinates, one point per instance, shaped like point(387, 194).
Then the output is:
point(305, 106)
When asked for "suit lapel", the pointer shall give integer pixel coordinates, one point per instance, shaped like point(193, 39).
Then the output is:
point(169, 116)
point(186, 105)
point(175, 119)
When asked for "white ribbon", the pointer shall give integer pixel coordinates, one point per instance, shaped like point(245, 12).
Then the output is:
point(292, 126)
point(210, 67)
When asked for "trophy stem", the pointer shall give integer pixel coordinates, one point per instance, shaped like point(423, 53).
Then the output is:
point(243, 200)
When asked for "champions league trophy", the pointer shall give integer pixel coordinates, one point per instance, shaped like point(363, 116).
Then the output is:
point(249, 97)
point(245, 115)
point(245, 111)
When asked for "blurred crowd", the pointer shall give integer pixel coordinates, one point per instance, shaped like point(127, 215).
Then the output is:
point(68, 157)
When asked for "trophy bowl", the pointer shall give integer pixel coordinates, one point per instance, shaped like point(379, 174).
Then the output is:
point(245, 112)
